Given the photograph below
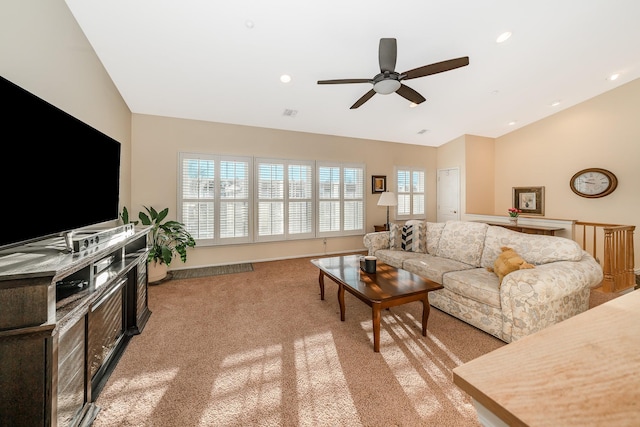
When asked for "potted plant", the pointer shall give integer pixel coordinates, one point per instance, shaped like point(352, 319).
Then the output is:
point(168, 239)
point(513, 215)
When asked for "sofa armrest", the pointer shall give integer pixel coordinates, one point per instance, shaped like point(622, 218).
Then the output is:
point(533, 299)
point(375, 241)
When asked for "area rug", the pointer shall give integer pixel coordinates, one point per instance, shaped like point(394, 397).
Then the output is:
point(191, 273)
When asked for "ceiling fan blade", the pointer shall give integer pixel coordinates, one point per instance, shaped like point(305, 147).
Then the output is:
point(341, 81)
point(436, 68)
point(407, 93)
point(387, 54)
point(367, 96)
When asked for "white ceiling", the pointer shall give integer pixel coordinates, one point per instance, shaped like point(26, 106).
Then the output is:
point(198, 59)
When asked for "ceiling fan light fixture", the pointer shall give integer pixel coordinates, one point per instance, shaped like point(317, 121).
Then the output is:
point(385, 87)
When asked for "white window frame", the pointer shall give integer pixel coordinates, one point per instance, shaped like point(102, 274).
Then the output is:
point(341, 198)
point(411, 193)
point(352, 196)
point(286, 200)
point(217, 199)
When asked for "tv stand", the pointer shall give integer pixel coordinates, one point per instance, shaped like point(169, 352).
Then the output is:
point(66, 319)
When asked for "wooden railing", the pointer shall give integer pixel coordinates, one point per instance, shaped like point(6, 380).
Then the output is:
point(612, 246)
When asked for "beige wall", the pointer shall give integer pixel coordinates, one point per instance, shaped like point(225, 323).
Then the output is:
point(43, 50)
point(479, 182)
point(158, 140)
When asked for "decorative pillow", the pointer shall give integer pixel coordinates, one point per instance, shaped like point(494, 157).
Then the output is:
point(395, 236)
point(508, 261)
point(412, 238)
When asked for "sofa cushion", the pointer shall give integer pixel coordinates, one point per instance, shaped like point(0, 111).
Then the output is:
point(433, 233)
point(536, 249)
point(392, 257)
point(432, 267)
point(462, 241)
point(477, 284)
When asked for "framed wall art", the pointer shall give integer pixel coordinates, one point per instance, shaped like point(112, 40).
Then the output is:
point(530, 200)
point(378, 183)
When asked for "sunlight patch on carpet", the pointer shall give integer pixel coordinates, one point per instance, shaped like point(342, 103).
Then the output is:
point(190, 273)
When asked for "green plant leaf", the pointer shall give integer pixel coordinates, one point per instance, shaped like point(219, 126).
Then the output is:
point(168, 238)
point(144, 218)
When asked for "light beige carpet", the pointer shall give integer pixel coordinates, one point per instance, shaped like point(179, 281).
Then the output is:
point(261, 349)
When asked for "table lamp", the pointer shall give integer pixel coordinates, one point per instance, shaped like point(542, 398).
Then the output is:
point(387, 199)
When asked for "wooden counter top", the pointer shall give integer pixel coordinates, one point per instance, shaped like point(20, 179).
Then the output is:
point(584, 371)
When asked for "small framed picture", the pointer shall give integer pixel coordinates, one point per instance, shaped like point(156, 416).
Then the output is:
point(378, 183)
point(530, 200)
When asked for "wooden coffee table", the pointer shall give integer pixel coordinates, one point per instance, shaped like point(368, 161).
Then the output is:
point(388, 287)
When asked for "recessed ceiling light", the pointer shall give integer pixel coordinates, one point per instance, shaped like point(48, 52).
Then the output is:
point(614, 76)
point(285, 78)
point(503, 37)
point(513, 122)
point(555, 103)
point(248, 23)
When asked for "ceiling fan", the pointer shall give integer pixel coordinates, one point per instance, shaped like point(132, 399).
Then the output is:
point(389, 80)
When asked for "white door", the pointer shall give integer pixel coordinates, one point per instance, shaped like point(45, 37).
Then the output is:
point(448, 195)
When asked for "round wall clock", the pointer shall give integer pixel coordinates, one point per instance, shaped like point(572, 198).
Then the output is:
point(593, 183)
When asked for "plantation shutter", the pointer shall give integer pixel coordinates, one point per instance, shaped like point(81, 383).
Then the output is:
point(234, 200)
point(411, 195)
point(300, 203)
point(284, 214)
point(198, 196)
point(353, 198)
point(340, 199)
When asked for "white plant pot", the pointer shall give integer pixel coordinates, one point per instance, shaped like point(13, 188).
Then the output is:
point(156, 271)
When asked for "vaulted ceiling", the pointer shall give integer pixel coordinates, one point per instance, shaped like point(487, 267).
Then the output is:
point(222, 61)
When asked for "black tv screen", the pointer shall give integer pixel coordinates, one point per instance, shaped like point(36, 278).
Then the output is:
point(58, 174)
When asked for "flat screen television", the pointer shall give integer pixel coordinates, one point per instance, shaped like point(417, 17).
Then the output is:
point(58, 173)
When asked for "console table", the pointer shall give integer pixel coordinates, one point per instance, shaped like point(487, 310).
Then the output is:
point(581, 372)
point(66, 318)
point(530, 229)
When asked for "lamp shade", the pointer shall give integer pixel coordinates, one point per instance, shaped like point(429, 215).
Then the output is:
point(388, 198)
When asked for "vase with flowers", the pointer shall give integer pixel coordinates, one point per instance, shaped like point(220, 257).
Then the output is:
point(513, 215)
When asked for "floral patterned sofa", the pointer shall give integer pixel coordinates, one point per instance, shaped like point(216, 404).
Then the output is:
point(457, 255)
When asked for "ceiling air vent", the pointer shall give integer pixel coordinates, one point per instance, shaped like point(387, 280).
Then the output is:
point(290, 113)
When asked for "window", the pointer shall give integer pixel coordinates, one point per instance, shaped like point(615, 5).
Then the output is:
point(285, 199)
point(340, 199)
point(411, 197)
point(294, 199)
point(214, 196)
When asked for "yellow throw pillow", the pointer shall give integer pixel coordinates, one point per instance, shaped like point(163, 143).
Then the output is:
point(507, 262)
